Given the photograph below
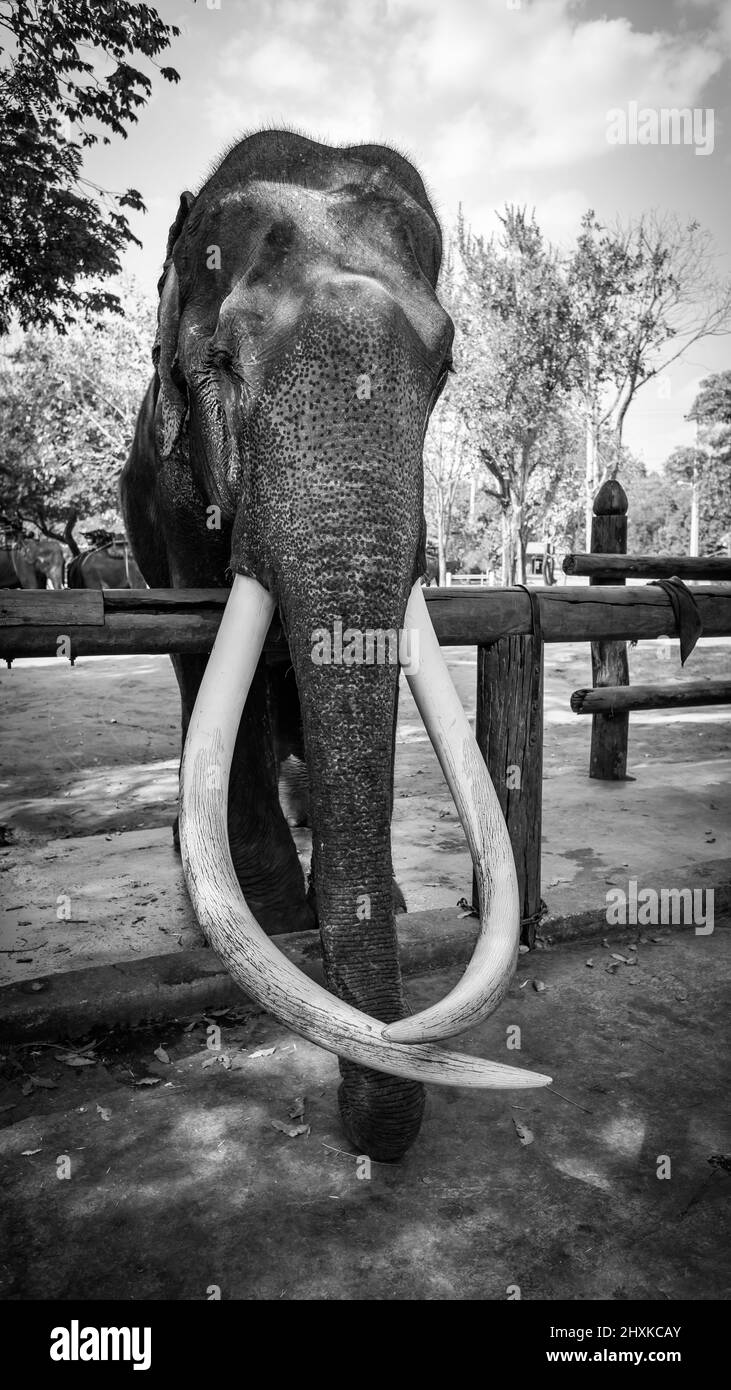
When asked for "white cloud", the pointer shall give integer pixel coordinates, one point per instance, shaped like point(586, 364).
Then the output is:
point(476, 90)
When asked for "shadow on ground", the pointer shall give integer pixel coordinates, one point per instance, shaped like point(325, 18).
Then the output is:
point(185, 1184)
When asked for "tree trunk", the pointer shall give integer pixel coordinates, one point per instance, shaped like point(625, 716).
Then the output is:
point(514, 544)
point(441, 545)
point(507, 559)
point(68, 532)
point(520, 546)
point(694, 511)
point(590, 476)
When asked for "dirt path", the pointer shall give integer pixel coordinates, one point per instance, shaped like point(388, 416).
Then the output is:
point(89, 792)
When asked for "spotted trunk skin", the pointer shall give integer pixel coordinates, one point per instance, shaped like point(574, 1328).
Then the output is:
point(350, 456)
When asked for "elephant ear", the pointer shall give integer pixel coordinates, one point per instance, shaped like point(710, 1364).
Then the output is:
point(171, 403)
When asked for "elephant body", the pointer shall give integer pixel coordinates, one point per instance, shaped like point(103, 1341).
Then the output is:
point(27, 563)
point(108, 566)
point(301, 347)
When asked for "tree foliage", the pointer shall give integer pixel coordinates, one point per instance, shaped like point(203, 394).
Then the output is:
point(645, 291)
point(68, 405)
point(67, 83)
point(520, 341)
point(550, 352)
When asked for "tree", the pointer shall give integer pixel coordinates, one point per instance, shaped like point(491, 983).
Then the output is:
point(555, 508)
point(68, 405)
point(711, 410)
point(448, 467)
point(659, 511)
point(520, 359)
point(645, 292)
point(67, 80)
point(450, 464)
point(711, 465)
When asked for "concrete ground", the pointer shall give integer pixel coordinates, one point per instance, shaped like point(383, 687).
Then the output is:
point(147, 1164)
point(156, 1169)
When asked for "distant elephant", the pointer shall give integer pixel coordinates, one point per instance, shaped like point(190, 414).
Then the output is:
point(301, 348)
point(27, 563)
point(108, 566)
point(432, 567)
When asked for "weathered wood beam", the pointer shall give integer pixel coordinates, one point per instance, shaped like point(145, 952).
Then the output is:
point(613, 700)
point(604, 566)
point(609, 663)
point(172, 622)
point(509, 732)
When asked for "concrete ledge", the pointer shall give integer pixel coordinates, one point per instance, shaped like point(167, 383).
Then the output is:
point(175, 984)
point(573, 910)
point(77, 1002)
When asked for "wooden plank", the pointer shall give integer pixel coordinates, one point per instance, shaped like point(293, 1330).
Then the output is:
point(635, 614)
point(124, 634)
point(604, 566)
point(612, 700)
point(55, 608)
point(609, 664)
point(509, 732)
point(569, 614)
point(463, 618)
point(163, 600)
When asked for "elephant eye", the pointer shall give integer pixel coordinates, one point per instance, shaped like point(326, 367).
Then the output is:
point(219, 358)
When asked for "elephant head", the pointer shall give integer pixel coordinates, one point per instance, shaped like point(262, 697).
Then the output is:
point(301, 349)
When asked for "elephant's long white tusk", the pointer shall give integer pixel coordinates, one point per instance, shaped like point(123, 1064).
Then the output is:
point(491, 968)
point(254, 962)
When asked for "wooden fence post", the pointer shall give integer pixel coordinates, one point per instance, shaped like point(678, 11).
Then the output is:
point(509, 731)
point(609, 664)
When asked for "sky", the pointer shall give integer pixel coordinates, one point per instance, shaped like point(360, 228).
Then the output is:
point(495, 101)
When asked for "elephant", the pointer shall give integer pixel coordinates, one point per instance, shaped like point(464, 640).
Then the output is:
point(300, 350)
point(110, 565)
point(30, 563)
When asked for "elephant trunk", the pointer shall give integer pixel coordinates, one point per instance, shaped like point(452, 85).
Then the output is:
point(347, 675)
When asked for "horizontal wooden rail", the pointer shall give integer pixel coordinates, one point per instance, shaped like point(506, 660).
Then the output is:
point(714, 567)
point(617, 699)
point(141, 622)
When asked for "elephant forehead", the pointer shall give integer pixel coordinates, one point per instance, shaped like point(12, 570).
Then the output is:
point(269, 254)
point(371, 215)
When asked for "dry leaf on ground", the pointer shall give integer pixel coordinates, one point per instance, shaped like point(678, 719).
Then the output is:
point(524, 1134)
point(292, 1131)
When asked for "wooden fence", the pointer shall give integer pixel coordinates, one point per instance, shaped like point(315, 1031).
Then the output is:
point(612, 699)
point(508, 626)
